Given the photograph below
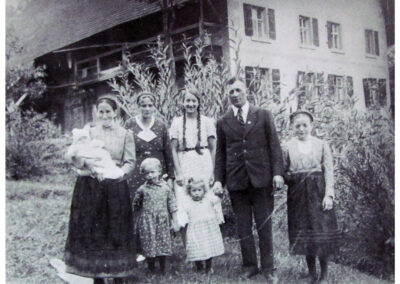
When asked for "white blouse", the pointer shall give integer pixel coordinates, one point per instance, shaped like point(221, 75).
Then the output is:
point(308, 156)
point(207, 129)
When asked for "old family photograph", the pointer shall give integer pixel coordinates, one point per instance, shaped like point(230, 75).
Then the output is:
point(200, 141)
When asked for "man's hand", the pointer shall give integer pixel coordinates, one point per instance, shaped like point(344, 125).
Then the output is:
point(278, 182)
point(217, 188)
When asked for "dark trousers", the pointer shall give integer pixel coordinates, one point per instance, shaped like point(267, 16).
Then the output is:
point(260, 203)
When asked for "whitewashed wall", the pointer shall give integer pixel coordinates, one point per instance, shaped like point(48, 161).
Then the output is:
point(285, 52)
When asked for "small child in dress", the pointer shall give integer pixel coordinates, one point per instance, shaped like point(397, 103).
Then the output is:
point(312, 222)
point(155, 202)
point(203, 237)
point(97, 159)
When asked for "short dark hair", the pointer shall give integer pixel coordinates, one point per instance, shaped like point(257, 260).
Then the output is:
point(232, 80)
point(108, 99)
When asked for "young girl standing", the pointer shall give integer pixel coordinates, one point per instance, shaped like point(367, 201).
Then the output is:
point(193, 141)
point(204, 239)
point(156, 202)
point(312, 222)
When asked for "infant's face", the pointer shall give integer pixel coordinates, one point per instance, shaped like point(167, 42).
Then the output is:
point(197, 193)
point(152, 175)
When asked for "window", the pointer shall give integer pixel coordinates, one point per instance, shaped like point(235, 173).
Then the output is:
point(263, 78)
point(334, 35)
point(374, 92)
point(308, 31)
point(259, 22)
point(371, 42)
point(311, 83)
point(340, 87)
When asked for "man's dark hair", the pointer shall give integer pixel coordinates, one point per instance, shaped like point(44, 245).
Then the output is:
point(232, 80)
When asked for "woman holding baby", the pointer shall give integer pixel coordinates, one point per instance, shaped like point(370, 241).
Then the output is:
point(100, 243)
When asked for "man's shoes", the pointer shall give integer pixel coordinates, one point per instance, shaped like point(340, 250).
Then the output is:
point(270, 277)
point(249, 272)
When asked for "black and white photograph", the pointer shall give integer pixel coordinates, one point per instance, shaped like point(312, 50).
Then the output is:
point(200, 141)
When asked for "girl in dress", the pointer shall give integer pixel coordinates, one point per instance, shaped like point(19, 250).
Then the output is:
point(156, 202)
point(312, 222)
point(193, 141)
point(99, 242)
point(204, 239)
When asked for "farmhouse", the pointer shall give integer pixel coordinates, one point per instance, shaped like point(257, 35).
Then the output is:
point(291, 42)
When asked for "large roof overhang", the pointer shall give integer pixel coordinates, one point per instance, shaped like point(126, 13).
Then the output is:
point(47, 25)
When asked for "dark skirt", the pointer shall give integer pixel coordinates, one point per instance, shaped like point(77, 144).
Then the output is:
point(100, 239)
point(312, 231)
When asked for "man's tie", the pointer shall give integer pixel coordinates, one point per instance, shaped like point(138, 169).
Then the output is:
point(240, 116)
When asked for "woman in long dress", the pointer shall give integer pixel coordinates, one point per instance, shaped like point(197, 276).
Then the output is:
point(100, 241)
point(193, 141)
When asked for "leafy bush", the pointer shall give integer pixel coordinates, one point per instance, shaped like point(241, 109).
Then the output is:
point(30, 150)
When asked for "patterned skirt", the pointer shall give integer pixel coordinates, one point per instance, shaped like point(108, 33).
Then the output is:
point(100, 239)
point(312, 231)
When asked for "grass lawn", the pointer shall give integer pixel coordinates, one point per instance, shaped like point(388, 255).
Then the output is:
point(37, 223)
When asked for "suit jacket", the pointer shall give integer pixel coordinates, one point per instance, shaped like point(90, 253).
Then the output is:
point(249, 153)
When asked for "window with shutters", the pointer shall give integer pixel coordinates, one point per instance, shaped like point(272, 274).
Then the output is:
point(334, 36)
point(311, 84)
point(340, 87)
point(263, 79)
point(308, 31)
point(375, 92)
point(259, 22)
point(371, 42)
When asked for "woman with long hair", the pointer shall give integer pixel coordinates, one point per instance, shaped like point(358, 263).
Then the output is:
point(193, 142)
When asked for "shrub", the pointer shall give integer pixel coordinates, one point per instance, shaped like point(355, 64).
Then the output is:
point(30, 152)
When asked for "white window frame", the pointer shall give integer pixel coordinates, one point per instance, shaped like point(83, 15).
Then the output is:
point(336, 35)
point(305, 25)
point(266, 79)
point(371, 43)
point(260, 22)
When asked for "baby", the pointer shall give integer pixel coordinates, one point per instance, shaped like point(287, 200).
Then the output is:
point(92, 152)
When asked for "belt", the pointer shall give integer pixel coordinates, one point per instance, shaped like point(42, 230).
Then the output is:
point(194, 148)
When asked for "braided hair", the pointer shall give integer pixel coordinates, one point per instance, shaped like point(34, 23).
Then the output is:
point(198, 119)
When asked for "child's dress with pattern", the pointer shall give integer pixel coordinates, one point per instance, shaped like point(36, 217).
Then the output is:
point(203, 239)
point(156, 202)
point(309, 175)
point(193, 165)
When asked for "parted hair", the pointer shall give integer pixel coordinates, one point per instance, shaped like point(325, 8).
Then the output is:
point(195, 93)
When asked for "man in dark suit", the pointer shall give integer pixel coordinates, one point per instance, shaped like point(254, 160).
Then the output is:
point(249, 162)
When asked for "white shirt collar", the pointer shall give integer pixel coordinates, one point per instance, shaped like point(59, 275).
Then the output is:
point(245, 110)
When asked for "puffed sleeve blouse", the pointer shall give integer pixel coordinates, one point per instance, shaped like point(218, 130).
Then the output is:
point(316, 156)
point(119, 143)
point(207, 130)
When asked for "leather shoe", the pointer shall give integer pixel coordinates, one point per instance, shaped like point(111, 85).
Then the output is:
point(270, 277)
point(249, 272)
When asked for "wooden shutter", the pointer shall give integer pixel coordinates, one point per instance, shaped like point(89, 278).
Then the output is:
point(376, 43)
point(276, 85)
point(367, 93)
point(349, 85)
point(315, 32)
point(271, 24)
point(382, 92)
point(248, 23)
point(329, 30)
point(367, 47)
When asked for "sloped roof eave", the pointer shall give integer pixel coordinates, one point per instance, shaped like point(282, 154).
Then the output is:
point(46, 28)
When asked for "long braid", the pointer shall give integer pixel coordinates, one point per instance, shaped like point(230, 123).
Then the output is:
point(184, 130)
point(198, 150)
